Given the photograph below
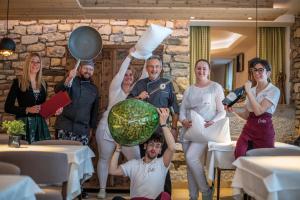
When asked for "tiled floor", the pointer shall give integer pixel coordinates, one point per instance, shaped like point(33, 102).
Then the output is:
point(178, 194)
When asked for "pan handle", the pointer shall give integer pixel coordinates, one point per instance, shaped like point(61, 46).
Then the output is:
point(76, 67)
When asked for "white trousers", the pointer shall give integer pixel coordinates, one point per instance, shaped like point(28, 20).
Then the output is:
point(105, 150)
point(194, 154)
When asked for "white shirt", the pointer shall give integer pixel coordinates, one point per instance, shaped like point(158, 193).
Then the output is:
point(146, 179)
point(116, 94)
point(271, 93)
point(206, 101)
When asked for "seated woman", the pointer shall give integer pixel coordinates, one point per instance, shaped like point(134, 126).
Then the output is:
point(261, 102)
point(204, 97)
point(30, 90)
point(119, 89)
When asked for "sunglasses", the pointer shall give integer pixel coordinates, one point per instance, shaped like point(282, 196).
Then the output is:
point(259, 70)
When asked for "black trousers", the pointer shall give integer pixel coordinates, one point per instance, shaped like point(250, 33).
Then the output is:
point(168, 183)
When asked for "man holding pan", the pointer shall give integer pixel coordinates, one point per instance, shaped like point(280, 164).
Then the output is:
point(79, 118)
point(160, 93)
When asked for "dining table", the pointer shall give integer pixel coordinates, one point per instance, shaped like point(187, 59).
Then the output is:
point(267, 177)
point(79, 160)
point(14, 187)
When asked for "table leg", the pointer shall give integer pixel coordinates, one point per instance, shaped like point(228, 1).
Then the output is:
point(218, 183)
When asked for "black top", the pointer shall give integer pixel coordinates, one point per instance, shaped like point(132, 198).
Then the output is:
point(161, 98)
point(81, 115)
point(24, 99)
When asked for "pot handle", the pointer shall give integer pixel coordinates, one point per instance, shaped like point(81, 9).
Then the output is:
point(76, 67)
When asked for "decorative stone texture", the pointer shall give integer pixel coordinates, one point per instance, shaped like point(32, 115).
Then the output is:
point(50, 37)
point(178, 65)
point(172, 49)
point(56, 51)
point(64, 27)
point(28, 22)
point(19, 30)
point(170, 24)
point(136, 22)
point(179, 72)
point(157, 22)
point(181, 24)
point(295, 67)
point(116, 38)
point(18, 65)
point(118, 22)
point(11, 24)
point(48, 21)
point(131, 38)
point(49, 28)
point(36, 47)
point(29, 39)
point(182, 58)
point(166, 58)
point(55, 61)
point(78, 25)
point(34, 29)
point(173, 41)
point(182, 82)
point(100, 21)
point(180, 33)
point(106, 30)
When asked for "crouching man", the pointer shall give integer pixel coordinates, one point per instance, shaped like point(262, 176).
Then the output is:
point(147, 175)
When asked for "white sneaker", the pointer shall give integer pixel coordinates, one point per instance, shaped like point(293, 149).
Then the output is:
point(101, 194)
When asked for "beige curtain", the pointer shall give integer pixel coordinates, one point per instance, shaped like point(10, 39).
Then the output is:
point(199, 47)
point(271, 46)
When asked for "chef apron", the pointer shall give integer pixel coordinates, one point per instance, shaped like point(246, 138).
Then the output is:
point(258, 131)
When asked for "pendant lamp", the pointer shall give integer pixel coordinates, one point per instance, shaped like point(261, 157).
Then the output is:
point(7, 45)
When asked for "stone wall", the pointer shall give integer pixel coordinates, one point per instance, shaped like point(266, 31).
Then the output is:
point(295, 68)
point(49, 38)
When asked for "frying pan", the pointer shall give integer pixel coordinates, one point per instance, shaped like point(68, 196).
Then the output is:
point(85, 43)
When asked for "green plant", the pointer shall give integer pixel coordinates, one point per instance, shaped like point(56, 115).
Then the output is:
point(15, 127)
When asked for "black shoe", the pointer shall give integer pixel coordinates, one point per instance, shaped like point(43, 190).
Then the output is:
point(84, 194)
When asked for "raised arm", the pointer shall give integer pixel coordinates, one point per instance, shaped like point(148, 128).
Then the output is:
point(114, 168)
point(168, 154)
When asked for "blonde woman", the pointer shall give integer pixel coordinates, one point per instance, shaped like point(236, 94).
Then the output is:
point(30, 91)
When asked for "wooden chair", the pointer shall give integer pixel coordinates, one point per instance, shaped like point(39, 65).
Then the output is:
point(44, 168)
point(57, 142)
point(8, 168)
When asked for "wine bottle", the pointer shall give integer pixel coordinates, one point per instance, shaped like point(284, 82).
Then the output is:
point(233, 96)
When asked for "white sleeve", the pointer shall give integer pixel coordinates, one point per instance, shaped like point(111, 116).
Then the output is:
point(273, 95)
point(219, 96)
point(128, 167)
point(116, 83)
point(144, 72)
point(183, 111)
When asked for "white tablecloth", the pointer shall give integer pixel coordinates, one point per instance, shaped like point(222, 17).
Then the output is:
point(14, 187)
point(79, 158)
point(268, 177)
point(221, 155)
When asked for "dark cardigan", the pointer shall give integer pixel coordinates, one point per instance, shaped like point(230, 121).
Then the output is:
point(25, 99)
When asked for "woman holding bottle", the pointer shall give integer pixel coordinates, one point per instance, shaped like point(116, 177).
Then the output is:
point(119, 89)
point(261, 102)
point(204, 97)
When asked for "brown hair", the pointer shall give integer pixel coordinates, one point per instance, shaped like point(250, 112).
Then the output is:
point(24, 82)
point(202, 60)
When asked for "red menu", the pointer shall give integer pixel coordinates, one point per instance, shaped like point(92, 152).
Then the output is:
point(49, 107)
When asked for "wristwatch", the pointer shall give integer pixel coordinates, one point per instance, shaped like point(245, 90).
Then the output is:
point(163, 125)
